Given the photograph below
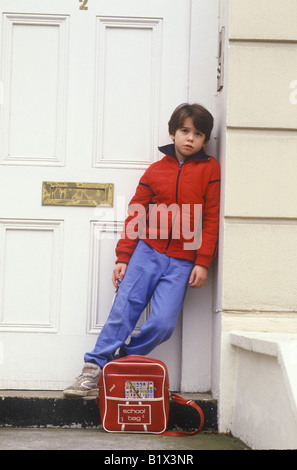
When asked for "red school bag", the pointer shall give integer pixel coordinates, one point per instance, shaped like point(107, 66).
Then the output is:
point(134, 397)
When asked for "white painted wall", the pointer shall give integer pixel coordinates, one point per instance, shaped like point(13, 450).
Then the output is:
point(197, 316)
point(265, 399)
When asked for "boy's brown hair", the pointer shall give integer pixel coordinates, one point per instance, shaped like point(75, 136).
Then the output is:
point(202, 119)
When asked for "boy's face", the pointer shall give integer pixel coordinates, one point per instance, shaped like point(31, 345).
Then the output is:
point(188, 140)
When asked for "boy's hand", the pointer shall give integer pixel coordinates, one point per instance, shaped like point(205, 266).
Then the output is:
point(198, 276)
point(118, 273)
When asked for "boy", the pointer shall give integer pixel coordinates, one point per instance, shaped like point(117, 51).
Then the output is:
point(161, 251)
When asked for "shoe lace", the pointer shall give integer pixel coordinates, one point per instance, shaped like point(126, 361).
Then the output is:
point(86, 374)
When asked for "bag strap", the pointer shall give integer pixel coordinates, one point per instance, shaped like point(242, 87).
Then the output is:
point(182, 401)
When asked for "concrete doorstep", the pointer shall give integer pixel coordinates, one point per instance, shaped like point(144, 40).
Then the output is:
point(46, 420)
point(26, 408)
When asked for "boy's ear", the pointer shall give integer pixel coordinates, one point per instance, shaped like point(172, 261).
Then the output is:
point(172, 137)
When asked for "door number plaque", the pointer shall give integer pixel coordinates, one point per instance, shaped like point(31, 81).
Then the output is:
point(84, 5)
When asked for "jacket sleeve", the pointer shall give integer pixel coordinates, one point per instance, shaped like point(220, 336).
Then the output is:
point(135, 223)
point(210, 220)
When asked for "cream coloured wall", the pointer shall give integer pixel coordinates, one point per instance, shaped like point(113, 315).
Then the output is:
point(258, 249)
point(260, 204)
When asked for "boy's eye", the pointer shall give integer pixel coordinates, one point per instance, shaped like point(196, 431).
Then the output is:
point(185, 131)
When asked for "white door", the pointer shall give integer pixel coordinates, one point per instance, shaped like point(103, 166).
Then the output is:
point(87, 90)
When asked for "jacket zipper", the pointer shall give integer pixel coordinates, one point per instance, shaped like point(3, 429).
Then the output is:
point(176, 197)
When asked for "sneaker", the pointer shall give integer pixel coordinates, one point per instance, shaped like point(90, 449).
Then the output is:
point(85, 384)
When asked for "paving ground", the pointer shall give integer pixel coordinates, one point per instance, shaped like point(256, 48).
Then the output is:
point(45, 420)
point(98, 439)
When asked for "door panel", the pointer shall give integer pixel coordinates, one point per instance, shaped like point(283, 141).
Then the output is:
point(87, 94)
point(34, 50)
point(128, 80)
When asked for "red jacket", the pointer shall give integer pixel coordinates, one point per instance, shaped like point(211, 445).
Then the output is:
point(164, 211)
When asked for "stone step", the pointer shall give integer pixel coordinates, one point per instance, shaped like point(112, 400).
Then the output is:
point(26, 408)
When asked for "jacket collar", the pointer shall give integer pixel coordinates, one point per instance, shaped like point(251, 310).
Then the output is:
point(170, 150)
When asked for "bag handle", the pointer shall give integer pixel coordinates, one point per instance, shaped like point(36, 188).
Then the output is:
point(182, 401)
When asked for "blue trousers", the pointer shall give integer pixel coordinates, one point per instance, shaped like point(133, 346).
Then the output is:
point(149, 275)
